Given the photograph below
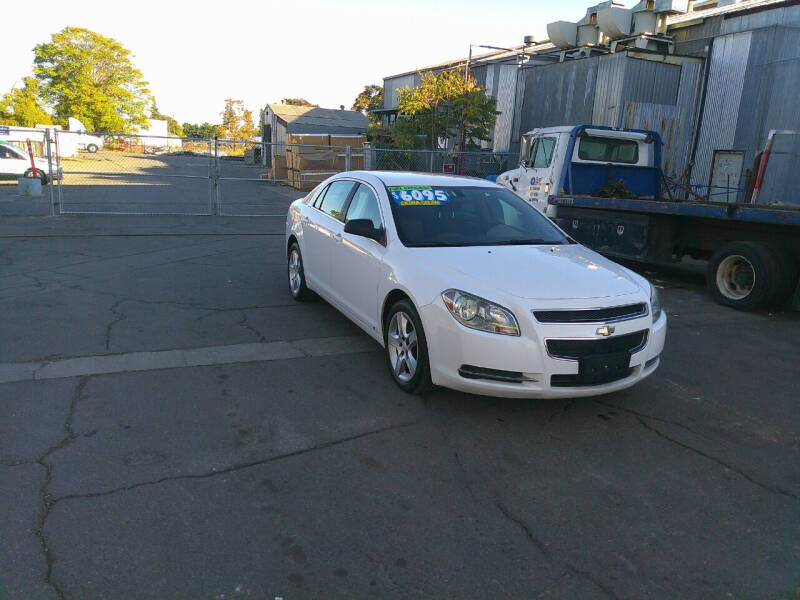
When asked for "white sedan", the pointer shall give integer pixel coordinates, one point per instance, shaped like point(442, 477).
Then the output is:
point(467, 286)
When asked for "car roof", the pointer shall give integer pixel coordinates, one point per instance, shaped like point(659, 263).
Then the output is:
point(392, 178)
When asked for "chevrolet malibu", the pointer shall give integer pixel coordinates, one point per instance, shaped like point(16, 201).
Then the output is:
point(467, 286)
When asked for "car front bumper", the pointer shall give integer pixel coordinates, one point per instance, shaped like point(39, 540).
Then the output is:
point(452, 346)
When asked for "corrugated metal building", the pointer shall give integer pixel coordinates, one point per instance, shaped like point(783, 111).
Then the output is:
point(734, 75)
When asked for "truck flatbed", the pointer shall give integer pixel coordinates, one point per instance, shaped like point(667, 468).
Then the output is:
point(775, 215)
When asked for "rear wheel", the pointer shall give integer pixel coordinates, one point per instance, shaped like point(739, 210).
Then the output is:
point(40, 174)
point(407, 348)
point(92, 148)
point(743, 275)
point(297, 276)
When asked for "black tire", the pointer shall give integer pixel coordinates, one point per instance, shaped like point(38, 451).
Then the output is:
point(297, 281)
point(743, 275)
point(41, 174)
point(92, 148)
point(786, 280)
point(419, 381)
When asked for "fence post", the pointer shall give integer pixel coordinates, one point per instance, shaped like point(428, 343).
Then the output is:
point(347, 158)
point(216, 210)
point(59, 170)
point(53, 211)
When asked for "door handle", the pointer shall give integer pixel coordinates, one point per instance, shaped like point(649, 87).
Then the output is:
point(338, 237)
point(305, 219)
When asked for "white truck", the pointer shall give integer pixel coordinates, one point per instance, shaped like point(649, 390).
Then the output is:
point(78, 136)
point(543, 171)
point(603, 186)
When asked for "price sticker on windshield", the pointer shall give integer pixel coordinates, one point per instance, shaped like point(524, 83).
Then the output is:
point(418, 195)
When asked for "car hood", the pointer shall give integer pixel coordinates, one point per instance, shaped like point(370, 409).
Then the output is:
point(533, 272)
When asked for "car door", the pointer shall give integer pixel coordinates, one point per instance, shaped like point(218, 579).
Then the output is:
point(12, 162)
point(358, 262)
point(322, 232)
point(539, 171)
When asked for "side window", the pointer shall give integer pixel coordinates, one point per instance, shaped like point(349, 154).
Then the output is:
point(335, 197)
point(6, 153)
point(544, 153)
point(314, 195)
point(364, 205)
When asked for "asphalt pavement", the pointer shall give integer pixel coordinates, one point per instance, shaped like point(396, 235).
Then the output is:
point(173, 425)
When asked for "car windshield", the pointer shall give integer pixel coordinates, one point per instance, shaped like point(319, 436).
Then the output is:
point(468, 216)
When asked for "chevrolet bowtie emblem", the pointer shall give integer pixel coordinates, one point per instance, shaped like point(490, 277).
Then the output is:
point(605, 330)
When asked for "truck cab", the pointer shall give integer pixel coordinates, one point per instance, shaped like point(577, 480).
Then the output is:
point(585, 160)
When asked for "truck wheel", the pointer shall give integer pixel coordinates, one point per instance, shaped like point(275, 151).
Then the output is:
point(786, 275)
point(92, 148)
point(743, 275)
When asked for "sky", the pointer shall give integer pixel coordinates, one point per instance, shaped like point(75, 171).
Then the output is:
point(196, 54)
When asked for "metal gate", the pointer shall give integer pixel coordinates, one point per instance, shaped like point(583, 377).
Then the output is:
point(122, 174)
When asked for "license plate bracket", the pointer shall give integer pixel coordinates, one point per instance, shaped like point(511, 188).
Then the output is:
point(604, 368)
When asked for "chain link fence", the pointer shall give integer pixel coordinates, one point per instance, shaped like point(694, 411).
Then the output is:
point(128, 174)
point(472, 164)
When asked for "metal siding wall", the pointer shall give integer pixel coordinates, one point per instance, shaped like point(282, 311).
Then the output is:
point(559, 94)
point(727, 68)
point(390, 87)
point(772, 101)
point(650, 81)
point(506, 92)
point(766, 18)
point(662, 97)
point(608, 92)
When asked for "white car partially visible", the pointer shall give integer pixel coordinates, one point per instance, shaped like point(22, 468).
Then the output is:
point(15, 163)
point(467, 286)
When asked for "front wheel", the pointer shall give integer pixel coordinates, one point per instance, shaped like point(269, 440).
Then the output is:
point(92, 148)
point(407, 348)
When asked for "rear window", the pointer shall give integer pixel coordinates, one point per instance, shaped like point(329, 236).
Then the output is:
point(605, 149)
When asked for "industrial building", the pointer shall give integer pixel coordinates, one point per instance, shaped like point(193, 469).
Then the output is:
point(713, 78)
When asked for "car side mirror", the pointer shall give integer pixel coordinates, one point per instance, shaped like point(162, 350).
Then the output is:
point(365, 228)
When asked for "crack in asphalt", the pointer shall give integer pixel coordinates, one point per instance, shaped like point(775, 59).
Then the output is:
point(540, 546)
point(524, 526)
point(765, 486)
point(118, 316)
point(239, 466)
point(246, 325)
point(646, 416)
point(44, 493)
point(592, 579)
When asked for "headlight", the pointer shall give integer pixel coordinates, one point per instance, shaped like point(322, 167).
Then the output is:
point(477, 313)
point(655, 303)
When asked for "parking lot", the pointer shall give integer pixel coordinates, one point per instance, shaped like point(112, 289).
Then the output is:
point(173, 425)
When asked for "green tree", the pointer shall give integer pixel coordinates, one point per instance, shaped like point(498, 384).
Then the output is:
point(368, 100)
point(173, 127)
point(237, 121)
point(21, 106)
point(194, 130)
point(298, 102)
point(91, 77)
point(447, 106)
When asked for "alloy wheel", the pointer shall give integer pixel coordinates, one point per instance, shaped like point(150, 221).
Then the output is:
point(403, 347)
